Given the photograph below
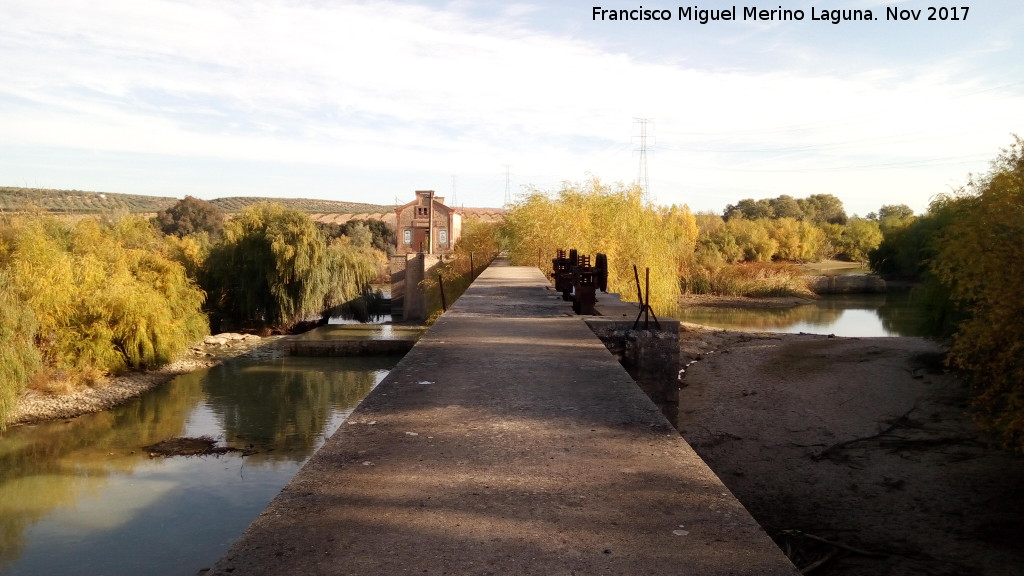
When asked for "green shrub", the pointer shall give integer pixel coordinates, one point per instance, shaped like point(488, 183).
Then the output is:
point(191, 216)
point(859, 238)
point(905, 251)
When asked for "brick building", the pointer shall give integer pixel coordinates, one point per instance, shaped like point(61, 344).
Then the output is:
point(426, 225)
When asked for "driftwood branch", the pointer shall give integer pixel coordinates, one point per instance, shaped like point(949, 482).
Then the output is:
point(837, 549)
point(839, 545)
point(821, 561)
point(896, 423)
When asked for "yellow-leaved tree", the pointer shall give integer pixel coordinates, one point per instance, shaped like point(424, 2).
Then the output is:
point(593, 217)
point(476, 248)
point(104, 295)
point(979, 256)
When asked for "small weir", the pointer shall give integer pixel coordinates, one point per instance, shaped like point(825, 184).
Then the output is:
point(353, 340)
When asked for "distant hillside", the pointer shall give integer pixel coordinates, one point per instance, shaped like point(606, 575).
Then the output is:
point(82, 202)
point(238, 203)
point(78, 201)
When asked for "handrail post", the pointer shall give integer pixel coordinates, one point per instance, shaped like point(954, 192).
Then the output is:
point(440, 282)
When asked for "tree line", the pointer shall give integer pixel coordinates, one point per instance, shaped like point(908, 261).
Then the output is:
point(594, 217)
point(83, 298)
point(751, 249)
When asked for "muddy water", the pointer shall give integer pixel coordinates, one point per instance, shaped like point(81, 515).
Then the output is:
point(856, 315)
point(83, 497)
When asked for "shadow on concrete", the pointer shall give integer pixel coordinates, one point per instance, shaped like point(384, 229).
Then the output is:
point(508, 440)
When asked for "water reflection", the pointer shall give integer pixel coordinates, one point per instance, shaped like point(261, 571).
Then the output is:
point(82, 497)
point(857, 315)
point(281, 413)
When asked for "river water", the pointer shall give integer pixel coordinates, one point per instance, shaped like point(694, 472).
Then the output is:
point(83, 497)
point(895, 313)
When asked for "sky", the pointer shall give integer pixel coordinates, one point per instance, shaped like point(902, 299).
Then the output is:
point(483, 101)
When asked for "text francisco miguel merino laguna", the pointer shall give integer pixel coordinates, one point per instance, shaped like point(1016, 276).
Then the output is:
point(705, 15)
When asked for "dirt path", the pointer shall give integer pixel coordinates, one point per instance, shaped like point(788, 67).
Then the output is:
point(861, 442)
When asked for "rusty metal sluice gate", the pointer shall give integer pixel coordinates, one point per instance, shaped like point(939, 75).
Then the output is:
point(578, 280)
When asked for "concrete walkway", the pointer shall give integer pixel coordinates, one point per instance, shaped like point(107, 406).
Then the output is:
point(507, 441)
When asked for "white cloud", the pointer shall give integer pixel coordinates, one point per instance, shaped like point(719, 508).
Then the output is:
point(386, 86)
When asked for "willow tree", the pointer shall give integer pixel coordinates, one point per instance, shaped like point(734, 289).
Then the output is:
point(274, 268)
point(613, 220)
point(270, 269)
point(351, 268)
point(103, 294)
point(979, 257)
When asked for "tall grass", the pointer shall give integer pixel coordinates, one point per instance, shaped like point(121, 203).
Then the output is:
point(752, 279)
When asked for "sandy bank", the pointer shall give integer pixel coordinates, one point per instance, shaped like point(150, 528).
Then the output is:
point(861, 442)
point(34, 406)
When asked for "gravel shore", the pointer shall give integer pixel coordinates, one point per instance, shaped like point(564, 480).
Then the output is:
point(34, 406)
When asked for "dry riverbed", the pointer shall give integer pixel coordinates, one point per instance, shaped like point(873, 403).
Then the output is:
point(857, 455)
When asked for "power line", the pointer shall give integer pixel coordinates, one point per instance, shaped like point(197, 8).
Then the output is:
point(508, 186)
point(922, 163)
point(642, 178)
